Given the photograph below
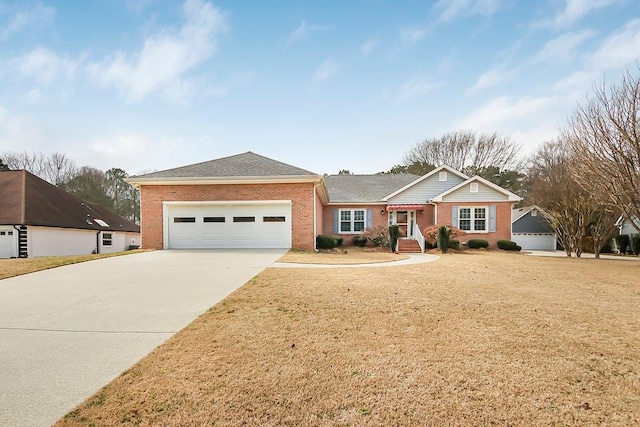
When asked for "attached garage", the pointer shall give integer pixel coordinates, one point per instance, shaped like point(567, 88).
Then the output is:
point(212, 225)
point(535, 241)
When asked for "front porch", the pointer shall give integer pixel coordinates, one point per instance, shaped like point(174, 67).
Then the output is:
point(410, 218)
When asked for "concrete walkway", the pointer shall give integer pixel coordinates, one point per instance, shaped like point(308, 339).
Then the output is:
point(413, 259)
point(66, 332)
point(562, 254)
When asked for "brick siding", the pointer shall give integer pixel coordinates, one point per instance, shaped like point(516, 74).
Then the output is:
point(300, 194)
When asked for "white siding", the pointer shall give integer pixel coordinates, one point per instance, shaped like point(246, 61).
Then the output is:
point(628, 228)
point(484, 194)
point(426, 189)
point(49, 241)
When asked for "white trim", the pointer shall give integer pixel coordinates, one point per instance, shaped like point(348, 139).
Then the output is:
point(351, 220)
point(473, 218)
point(525, 211)
point(511, 197)
point(137, 182)
point(423, 177)
point(226, 202)
point(356, 204)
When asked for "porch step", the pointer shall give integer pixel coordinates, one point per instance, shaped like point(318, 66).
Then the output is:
point(408, 246)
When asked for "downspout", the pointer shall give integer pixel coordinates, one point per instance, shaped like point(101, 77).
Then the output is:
point(17, 241)
point(435, 211)
point(315, 214)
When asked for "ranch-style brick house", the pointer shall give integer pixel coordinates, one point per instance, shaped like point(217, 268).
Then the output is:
point(251, 201)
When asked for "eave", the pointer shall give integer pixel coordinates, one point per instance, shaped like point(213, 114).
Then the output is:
point(225, 180)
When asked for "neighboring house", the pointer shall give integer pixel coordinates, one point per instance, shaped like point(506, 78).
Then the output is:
point(531, 230)
point(626, 226)
point(40, 219)
point(251, 201)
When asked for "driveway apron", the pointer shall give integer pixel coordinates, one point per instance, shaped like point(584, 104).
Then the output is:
point(66, 332)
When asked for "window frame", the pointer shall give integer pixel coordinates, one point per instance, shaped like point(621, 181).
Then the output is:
point(473, 218)
point(352, 220)
point(108, 239)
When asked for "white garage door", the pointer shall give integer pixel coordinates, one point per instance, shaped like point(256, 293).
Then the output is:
point(8, 242)
point(199, 226)
point(535, 241)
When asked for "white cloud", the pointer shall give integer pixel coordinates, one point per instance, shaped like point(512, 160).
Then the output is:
point(35, 17)
point(620, 49)
point(416, 86)
point(412, 34)
point(563, 47)
point(303, 30)
point(326, 70)
point(164, 61)
point(369, 46)
point(17, 133)
point(501, 111)
point(44, 66)
point(493, 77)
point(574, 10)
point(452, 9)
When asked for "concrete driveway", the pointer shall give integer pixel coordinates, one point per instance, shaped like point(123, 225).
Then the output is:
point(66, 332)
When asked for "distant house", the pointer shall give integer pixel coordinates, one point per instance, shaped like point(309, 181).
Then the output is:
point(626, 226)
point(531, 230)
point(40, 219)
point(251, 201)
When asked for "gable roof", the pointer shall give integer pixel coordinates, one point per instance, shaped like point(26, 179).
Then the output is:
point(510, 196)
point(518, 213)
point(423, 177)
point(364, 188)
point(26, 199)
point(245, 165)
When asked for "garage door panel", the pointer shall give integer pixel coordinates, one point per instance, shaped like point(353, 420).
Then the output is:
point(230, 226)
point(535, 241)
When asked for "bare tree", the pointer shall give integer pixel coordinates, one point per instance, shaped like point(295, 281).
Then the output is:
point(603, 226)
point(467, 151)
point(55, 168)
point(565, 204)
point(604, 137)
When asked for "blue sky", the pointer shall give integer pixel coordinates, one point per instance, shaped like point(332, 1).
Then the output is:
point(324, 85)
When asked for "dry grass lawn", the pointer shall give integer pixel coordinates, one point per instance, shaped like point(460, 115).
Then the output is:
point(350, 255)
point(470, 340)
point(19, 266)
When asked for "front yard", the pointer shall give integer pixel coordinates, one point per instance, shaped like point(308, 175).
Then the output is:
point(484, 338)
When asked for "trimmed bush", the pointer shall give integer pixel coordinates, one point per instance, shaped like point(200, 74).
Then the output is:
point(508, 245)
point(394, 234)
point(477, 244)
point(454, 244)
point(443, 239)
point(622, 243)
point(634, 240)
point(360, 241)
point(339, 241)
point(326, 242)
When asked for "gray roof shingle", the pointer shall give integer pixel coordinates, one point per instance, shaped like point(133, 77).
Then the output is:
point(240, 165)
point(365, 188)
